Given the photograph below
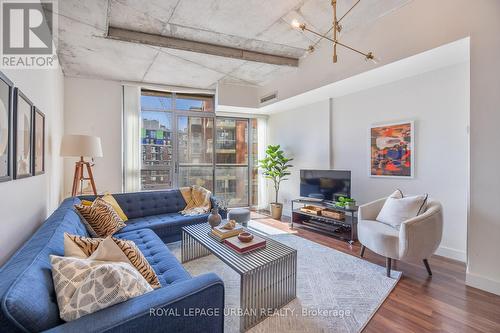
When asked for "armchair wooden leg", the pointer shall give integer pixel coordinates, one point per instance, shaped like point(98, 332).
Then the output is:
point(426, 263)
point(388, 264)
point(362, 251)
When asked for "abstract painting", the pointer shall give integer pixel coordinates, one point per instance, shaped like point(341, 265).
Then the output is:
point(6, 89)
point(23, 124)
point(391, 150)
point(39, 143)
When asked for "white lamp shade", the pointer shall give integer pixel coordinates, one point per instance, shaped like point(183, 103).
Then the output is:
point(81, 145)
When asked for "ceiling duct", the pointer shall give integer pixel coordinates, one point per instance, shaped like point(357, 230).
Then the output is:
point(268, 98)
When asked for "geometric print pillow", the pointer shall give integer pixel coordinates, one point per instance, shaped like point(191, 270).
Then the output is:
point(129, 248)
point(85, 286)
point(100, 219)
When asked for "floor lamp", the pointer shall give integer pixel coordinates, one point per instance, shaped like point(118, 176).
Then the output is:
point(81, 146)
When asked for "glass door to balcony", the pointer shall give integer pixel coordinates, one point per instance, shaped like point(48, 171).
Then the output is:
point(232, 160)
point(195, 164)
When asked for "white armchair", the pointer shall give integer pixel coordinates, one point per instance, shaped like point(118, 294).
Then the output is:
point(417, 239)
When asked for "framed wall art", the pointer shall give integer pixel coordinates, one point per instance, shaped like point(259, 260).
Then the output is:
point(38, 142)
point(23, 135)
point(392, 150)
point(6, 96)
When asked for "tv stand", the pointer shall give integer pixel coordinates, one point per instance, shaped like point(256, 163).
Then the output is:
point(341, 229)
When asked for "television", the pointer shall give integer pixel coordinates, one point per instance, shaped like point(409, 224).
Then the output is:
point(326, 185)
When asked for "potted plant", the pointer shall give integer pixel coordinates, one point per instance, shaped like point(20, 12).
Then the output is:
point(347, 203)
point(275, 166)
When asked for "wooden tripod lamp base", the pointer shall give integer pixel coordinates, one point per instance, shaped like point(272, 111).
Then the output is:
point(79, 177)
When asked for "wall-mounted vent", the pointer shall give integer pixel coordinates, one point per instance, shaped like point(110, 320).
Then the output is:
point(268, 98)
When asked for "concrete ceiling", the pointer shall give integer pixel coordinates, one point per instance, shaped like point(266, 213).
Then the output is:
point(258, 25)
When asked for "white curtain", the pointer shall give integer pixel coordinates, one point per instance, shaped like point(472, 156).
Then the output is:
point(262, 144)
point(131, 138)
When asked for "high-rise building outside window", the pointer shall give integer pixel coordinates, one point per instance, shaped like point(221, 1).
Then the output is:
point(183, 143)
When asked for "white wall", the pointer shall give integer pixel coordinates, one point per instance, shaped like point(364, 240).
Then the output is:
point(303, 134)
point(94, 107)
point(416, 27)
point(26, 203)
point(438, 102)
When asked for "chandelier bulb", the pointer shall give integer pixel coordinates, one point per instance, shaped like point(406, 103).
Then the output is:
point(297, 25)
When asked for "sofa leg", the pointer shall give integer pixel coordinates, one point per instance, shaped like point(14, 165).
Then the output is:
point(426, 263)
point(388, 264)
point(362, 251)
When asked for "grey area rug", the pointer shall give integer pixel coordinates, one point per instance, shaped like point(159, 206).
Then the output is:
point(336, 292)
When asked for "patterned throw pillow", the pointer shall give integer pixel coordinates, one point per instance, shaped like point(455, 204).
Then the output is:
point(112, 201)
point(79, 246)
point(89, 245)
point(85, 286)
point(100, 219)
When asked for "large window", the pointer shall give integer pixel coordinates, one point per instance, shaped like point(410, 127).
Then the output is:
point(183, 143)
point(156, 142)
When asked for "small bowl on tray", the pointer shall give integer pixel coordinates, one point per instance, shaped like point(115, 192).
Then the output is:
point(245, 237)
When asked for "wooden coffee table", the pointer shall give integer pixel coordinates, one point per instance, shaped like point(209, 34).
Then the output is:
point(268, 276)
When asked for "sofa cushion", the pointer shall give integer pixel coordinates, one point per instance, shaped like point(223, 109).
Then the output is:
point(111, 249)
point(167, 226)
point(101, 218)
point(398, 208)
point(112, 201)
point(85, 286)
point(140, 204)
point(27, 296)
point(168, 269)
point(379, 237)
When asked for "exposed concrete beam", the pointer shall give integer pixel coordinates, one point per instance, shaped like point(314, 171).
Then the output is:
point(199, 47)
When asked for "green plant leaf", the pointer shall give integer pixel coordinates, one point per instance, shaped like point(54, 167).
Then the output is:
point(275, 165)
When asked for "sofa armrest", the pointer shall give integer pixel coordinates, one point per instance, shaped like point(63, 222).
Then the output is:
point(222, 212)
point(195, 305)
point(370, 210)
point(419, 237)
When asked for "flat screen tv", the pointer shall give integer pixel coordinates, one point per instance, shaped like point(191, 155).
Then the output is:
point(325, 185)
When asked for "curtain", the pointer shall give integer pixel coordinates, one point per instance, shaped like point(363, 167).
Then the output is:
point(131, 138)
point(262, 143)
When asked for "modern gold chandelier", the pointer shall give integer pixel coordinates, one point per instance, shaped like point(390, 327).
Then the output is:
point(335, 29)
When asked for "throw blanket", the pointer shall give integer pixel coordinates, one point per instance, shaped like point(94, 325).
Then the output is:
point(197, 200)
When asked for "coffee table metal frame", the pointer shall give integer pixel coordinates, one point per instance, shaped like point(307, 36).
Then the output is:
point(268, 277)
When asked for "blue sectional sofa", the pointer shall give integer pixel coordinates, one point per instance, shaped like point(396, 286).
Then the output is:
point(27, 297)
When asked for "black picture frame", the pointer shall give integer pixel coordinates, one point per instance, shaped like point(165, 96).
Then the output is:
point(17, 165)
point(38, 117)
point(6, 139)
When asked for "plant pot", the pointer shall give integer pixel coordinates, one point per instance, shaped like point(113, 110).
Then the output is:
point(350, 205)
point(276, 210)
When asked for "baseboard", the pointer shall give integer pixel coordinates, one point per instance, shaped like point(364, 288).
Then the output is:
point(450, 253)
point(483, 283)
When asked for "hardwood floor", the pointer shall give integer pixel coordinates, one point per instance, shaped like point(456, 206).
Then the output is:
point(419, 303)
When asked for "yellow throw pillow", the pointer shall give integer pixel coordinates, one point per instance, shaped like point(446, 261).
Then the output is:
point(112, 201)
point(77, 246)
point(101, 218)
point(86, 202)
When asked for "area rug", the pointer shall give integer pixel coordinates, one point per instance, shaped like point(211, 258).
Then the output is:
point(336, 292)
